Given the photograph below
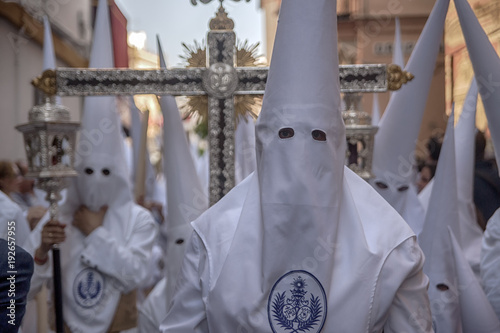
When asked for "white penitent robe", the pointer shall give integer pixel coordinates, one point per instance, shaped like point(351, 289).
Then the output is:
point(99, 268)
point(376, 282)
point(490, 261)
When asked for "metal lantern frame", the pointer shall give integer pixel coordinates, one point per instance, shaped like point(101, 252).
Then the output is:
point(49, 142)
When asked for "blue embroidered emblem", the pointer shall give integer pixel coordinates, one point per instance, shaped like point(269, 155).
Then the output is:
point(88, 288)
point(299, 309)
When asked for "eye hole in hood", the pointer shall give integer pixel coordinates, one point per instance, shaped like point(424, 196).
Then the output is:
point(286, 133)
point(318, 135)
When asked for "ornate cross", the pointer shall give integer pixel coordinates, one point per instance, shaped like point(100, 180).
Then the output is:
point(221, 81)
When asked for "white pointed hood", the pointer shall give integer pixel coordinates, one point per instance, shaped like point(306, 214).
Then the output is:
point(465, 133)
point(297, 219)
point(435, 241)
point(402, 118)
point(399, 126)
point(135, 133)
point(100, 160)
point(186, 199)
point(49, 58)
point(397, 52)
point(103, 180)
point(486, 64)
point(477, 315)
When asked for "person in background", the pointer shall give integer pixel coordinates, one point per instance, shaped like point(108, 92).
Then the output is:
point(427, 171)
point(486, 183)
point(13, 287)
point(32, 205)
point(10, 212)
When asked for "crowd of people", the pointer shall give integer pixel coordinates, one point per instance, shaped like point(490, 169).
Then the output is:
point(301, 244)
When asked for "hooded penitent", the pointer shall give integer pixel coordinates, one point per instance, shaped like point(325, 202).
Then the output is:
point(486, 64)
point(395, 141)
point(296, 246)
point(450, 284)
point(465, 134)
point(99, 268)
point(186, 199)
point(477, 314)
point(435, 242)
point(135, 133)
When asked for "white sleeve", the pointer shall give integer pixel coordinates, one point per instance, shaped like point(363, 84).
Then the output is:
point(130, 260)
point(408, 303)
point(490, 261)
point(187, 311)
point(41, 273)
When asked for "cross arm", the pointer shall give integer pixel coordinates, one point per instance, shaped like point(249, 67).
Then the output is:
point(86, 82)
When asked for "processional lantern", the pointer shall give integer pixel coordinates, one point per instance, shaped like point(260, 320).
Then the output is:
point(49, 142)
point(360, 133)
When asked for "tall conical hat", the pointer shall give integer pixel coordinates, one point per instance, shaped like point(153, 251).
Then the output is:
point(135, 133)
point(486, 65)
point(186, 199)
point(477, 314)
point(397, 52)
point(100, 146)
point(435, 241)
point(465, 133)
point(395, 140)
point(49, 58)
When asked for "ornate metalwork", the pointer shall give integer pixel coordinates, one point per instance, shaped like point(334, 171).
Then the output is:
point(46, 82)
point(221, 21)
point(221, 80)
point(49, 138)
point(363, 78)
point(359, 136)
point(208, 1)
point(397, 77)
point(189, 81)
point(86, 82)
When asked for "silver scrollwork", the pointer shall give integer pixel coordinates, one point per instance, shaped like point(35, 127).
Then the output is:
point(220, 80)
point(194, 2)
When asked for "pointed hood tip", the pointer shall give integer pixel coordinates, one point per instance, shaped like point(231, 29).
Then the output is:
point(162, 62)
point(101, 53)
point(403, 116)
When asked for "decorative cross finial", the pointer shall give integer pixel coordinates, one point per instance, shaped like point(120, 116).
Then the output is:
point(194, 2)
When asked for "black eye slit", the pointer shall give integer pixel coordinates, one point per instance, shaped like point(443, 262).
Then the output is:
point(179, 241)
point(106, 172)
point(318, 135)
point(88, 171)
point(442, 287)
point(286, 133)
point(403, 188)
point(381, 185)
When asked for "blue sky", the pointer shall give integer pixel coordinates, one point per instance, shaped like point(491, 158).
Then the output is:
point(178, 21)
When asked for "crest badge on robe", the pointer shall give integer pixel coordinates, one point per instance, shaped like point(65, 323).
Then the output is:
point(88, 288)
point(297, 303)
